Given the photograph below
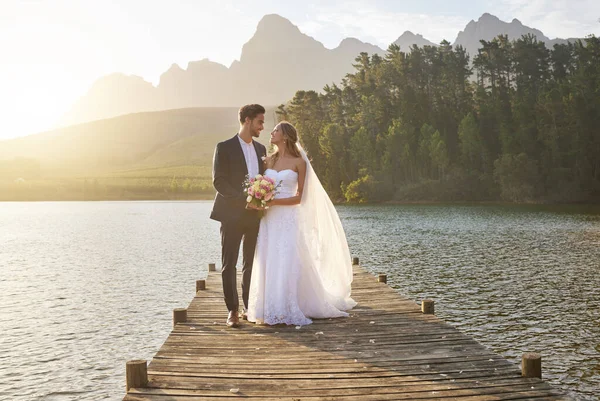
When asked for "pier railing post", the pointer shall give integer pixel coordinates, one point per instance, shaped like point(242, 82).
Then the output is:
point(382, 278)
point(531, 365)
point(200, 285)
point(427, 306)
point(212, 267)
point(137, 374)
point(179, 316)
point(354, 261)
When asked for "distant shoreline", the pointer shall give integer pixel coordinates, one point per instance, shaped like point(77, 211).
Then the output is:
point(210, 197)
point(110, 199)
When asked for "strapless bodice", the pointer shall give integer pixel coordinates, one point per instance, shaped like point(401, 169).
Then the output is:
point(288, 179)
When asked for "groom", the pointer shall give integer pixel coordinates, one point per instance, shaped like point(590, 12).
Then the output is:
point(234, 159)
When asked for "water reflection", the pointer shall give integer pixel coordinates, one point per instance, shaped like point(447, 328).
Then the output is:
point(515, 278)
point(85, 287)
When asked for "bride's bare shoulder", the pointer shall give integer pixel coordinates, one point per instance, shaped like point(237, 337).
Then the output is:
point(300, 164)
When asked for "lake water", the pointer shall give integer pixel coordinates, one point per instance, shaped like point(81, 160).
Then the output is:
point(84, 287)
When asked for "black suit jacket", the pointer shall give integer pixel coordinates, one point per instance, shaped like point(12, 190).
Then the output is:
point(229, 173)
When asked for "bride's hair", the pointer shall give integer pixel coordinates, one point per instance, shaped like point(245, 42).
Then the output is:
point(290, 137)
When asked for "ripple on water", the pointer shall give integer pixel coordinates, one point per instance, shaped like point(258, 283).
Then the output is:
point(516, 279)
point(84, 287)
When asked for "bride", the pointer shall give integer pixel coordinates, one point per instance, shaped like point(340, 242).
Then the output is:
point(302, 266)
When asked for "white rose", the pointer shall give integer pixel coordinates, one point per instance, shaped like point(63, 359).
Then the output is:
point(249, 199)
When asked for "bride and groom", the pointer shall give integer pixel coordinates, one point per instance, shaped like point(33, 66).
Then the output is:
point(296, 261)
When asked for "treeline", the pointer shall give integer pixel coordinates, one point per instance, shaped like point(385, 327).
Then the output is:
point(106, 188)
point(521, 123)
point(22, 167)
point(24, 179)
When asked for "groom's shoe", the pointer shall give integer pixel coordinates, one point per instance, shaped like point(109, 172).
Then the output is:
point(233, 320)
point(244, 314)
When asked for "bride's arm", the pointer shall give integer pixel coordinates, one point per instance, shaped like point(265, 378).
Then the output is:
point(294, 200)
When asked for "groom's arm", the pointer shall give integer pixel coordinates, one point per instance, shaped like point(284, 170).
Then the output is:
point(221, 172)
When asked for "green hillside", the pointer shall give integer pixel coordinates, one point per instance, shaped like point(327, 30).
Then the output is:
point(154, 155)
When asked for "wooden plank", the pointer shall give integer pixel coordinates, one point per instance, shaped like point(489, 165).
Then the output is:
point(506, 390)
point(386, 349)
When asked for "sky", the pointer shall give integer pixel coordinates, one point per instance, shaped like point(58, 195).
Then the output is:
point(52, 51)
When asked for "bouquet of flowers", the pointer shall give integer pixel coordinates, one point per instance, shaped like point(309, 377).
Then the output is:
point(260, 190)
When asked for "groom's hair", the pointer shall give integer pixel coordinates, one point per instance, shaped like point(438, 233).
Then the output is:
point(250, 111)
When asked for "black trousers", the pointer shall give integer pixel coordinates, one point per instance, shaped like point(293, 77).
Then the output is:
point(232, 236)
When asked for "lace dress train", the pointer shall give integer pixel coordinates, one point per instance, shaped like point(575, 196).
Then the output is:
point(284, 287)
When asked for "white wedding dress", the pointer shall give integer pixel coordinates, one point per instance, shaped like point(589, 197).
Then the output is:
point(288, 286)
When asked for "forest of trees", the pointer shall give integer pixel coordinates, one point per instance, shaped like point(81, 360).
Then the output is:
point(520, 123)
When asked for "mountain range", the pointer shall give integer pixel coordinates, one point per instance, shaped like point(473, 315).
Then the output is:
point(125, 124)
point(276, 62)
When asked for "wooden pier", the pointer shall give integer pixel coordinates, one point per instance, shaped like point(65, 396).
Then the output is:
point(388, 349)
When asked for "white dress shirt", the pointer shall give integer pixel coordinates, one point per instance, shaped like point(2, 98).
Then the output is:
point(250, 156)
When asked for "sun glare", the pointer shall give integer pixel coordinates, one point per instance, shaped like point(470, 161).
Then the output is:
point(35, 103)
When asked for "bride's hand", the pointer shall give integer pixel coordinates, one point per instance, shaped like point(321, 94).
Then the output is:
point(252, 206)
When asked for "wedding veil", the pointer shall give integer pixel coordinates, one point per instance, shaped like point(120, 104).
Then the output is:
point(324, 240)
